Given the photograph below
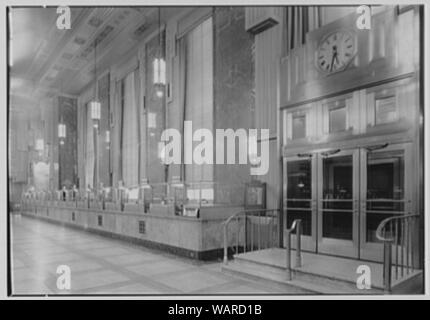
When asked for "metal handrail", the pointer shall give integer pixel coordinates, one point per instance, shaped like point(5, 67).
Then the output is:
point(296, 225)
point(245, 214)
point(400, 234)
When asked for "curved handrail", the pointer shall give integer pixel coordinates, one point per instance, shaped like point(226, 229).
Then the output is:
point(385, 222)
point(237, 215)
point(400, 239)
point(294, 225)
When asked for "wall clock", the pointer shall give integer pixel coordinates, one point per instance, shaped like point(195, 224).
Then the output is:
point(335, 51)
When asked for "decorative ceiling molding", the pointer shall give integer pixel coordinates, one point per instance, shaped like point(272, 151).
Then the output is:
point(68, 35)
point(68, 61)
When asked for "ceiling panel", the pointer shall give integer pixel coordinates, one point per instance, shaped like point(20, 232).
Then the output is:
point(46, 59)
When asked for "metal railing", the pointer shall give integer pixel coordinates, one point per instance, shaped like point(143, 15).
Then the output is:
point(297, 226)
point(255, 229)
point(397, 233)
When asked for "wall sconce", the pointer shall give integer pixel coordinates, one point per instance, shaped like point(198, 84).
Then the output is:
point(62, 132)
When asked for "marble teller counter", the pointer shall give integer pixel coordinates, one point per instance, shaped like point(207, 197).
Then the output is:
point(198, 237)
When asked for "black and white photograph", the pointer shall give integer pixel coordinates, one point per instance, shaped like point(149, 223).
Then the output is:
point(215, 150)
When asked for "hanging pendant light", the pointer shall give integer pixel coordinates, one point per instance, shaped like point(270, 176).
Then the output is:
point(159, 64)
point(95, 103)
point(39, 146)
point(61, 132)
point(61, 125)
point(107, 139)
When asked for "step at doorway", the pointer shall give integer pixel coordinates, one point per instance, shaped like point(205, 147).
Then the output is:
point(319, 274)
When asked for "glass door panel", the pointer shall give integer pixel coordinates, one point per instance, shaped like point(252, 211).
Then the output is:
point(342, 197)
point(337, 207)
point(299, 197)
point(385, 192)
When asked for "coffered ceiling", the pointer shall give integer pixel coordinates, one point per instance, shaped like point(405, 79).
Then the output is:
point(46, 60)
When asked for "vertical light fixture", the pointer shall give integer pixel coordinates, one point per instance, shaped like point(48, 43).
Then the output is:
point(61, 132)
point(159, 64)
point(107, 138)
point(39, 145)
point(95, 103)
point(61, 125)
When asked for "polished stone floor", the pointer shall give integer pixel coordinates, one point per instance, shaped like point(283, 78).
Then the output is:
point(101, 265)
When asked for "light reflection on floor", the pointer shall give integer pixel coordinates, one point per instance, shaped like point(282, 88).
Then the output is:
point(100, 265)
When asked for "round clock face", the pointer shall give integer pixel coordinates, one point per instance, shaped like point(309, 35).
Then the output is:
point(335, 51)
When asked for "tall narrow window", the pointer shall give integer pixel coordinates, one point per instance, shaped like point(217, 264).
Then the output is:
point(130, 137)
point(89, 150)
point(199, 92)
point(299, 20)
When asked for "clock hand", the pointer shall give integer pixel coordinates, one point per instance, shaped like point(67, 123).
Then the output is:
point(332, 62)
point(334, 56)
